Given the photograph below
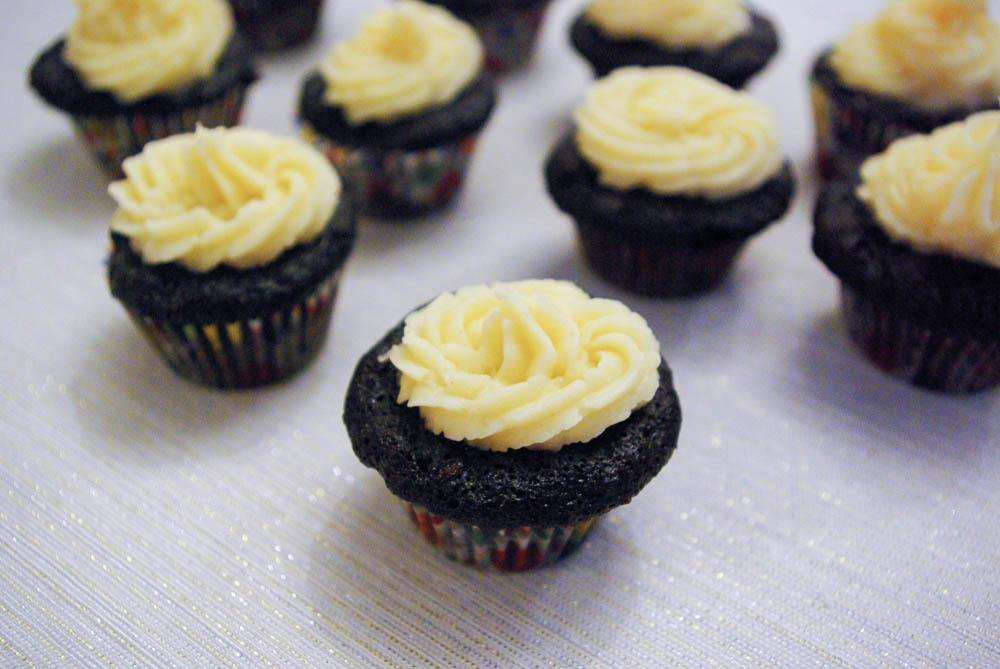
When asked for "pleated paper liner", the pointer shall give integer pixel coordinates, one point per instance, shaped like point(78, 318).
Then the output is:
point(508, 35)
point(245, 353)
point(393, 183)
point(944, 361)
point(658, 268)
point(112, 139)
point(271, 25)
point(505, 549)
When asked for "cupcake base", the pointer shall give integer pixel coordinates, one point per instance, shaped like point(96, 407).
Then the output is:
point(932, 359)
point(278, 24)
point(504, 549)
point(397, 183)
point(658, 268)
point(508, 36)
point(245, 353)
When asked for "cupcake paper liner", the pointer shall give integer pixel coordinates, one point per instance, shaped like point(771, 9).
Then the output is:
point(271, 25)
point(112, 139)
point(393, 183)
point(508, 35)
point(945, 361)
point(505, 549)
point(245, 353)
point(659, 268)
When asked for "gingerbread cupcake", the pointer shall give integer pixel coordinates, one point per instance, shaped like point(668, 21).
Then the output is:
point(721, 38)
point(397, 108)
point(916, 246)
point(228, 246)
point(918, 65)
point(128, 72)
point(667, 173)
point(509, 417)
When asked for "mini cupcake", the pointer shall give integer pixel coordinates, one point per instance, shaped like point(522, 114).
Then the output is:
point(398, 107)
point(508, 28)
point(916, 247)
point(509, 417)
point(271, 25)
point(918, 65)
point(227, 250)
point(721, 38)
point(131, 71)
point(667, 173)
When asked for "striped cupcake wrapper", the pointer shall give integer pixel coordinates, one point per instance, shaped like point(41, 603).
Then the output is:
point(657, 268)
point(245, 353)
point(390, 183)
point(508, 36)
point(944, 361)
point(112, 139)
point(846, 134)
point(507, 549)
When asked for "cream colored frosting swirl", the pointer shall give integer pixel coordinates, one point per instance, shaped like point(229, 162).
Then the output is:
point(941, 192)
point(671, 23)
point(231, 196)
point(406, 57)
point(676, 132)
point(535, 364)
point(136, 48)
point(935, 54)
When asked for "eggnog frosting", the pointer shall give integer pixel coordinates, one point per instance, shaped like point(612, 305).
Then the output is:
point(676, 132)
point(941, 192)
point(935, 54)
point(407, 56)
point(238, 197)
point(529, 364)
point(671, 23)
point(136, 48)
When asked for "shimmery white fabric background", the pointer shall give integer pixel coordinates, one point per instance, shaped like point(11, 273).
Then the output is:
point(816, 513)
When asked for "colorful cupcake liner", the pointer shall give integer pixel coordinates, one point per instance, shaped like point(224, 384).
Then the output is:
point(506, 549)
point(271, 25)
point(393, 183)
point(112, 139)
point(508, 36)
point(847, 134)
point(659, 268)
point(945, 361)
point(245, 353)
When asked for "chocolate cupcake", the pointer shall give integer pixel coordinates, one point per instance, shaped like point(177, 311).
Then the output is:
point(227, 251)
point(124, 84)
point(917, 250)
point(667, 174)
point(398, 107)
point(721, 38)
point(271, 25)
point(918, 65)
point(508, 28)
point(542, 412)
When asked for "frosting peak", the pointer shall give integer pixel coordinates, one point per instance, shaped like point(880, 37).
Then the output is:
point(935, 54)
point(941, 192)
point(536, 364)
point(236, 196)
point(406, 57)
point(676, 132)
point(671, 23)
point(136, 48)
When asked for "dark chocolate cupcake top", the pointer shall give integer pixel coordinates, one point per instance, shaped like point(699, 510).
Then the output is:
point(503, 489)
point(733, 62)
point(465, 8)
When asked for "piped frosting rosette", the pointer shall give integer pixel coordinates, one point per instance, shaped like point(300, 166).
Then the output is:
point(935, 54)
point(236, 196)
point(406, 57)
point(673, 131)
point(136, 48)
point(536, 364)
point(671, 23)
point(941, 192)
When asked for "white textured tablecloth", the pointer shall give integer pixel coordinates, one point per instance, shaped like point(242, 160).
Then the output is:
point(816, 512)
